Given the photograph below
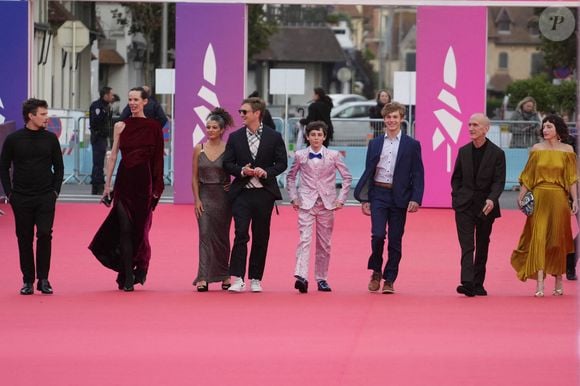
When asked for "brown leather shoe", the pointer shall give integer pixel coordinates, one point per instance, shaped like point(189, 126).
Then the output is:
point(375, 282)
point(388, 287)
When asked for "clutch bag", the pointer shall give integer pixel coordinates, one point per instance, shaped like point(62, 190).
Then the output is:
point(527, 204)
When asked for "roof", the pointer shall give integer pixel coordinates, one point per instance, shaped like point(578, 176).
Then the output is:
point(499, 82)
point(110, 56)
point(302, 44)
point(523, 26)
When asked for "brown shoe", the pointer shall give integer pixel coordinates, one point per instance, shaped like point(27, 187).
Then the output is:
point(388, 287)
point(375, 282)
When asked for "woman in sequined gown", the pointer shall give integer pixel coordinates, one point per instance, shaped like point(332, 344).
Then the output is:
point(212, 207)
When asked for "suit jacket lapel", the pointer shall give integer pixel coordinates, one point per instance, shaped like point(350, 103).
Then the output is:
point(263, 139)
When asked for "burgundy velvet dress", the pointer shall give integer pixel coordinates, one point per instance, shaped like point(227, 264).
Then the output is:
point(139, 179)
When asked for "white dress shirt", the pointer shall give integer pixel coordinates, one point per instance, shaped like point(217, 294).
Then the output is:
point(386, 165)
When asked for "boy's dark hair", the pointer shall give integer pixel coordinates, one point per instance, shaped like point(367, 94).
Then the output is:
point(316, 125)
point(30, 106)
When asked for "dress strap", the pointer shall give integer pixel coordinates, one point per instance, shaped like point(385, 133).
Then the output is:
point(201, 146)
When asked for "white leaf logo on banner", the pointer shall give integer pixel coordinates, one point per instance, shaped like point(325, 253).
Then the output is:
point(209, 96)
point(450, 122)
point(2, 117)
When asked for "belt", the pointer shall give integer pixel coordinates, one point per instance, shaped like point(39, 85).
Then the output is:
point(384, 185)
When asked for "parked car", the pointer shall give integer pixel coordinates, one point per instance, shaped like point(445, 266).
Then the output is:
point(352, 126)
point(340, 99)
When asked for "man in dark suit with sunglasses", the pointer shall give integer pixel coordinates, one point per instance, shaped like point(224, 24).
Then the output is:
point(255, 155)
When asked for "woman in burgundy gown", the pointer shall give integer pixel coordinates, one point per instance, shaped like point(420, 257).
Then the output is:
point(122, 241)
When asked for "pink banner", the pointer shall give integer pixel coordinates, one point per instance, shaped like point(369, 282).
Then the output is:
point(451, 66)
point(210, 71)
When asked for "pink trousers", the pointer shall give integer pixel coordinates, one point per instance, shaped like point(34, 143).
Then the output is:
point(324, 220)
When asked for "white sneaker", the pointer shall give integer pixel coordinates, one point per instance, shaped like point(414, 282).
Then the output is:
point(238, 285)
point(255, 285)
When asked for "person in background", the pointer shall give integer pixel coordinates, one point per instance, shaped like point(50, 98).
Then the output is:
point(319, 110)
point(101, 125)
point(524, 133)
point(383, 97)
point(391, 185)
point(315, 200)
point(551, 175)
point(34, 156)
point(122, 241)
point(213, 211)
point(477, 182)
point(152, 109)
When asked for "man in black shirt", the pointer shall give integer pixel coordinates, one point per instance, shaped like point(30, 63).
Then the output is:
point(101, 124)
point(35, 157)
point(152, 109)
point(477, 182)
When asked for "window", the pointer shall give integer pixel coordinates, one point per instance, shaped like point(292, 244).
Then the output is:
point(538, 64)
point(503, 22)
point(503, 61)
point(411, 61)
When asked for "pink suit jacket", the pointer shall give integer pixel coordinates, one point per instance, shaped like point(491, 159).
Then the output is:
point(318, 179)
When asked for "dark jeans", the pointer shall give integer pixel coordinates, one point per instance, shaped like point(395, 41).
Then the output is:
point(31, 211)
point(473, 231)
point(99, 145)
point(252, 207)
point(385, 214)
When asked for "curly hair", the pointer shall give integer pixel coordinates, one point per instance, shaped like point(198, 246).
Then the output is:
point(221, 116)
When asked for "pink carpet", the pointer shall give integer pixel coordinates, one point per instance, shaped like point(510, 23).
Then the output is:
point(89, 333)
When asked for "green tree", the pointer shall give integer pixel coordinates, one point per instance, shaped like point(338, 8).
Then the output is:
point(562, 53)
point(549, 97)
point(260, 29)
point(539, 87)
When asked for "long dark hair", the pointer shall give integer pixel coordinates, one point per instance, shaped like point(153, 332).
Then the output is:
point(322, 97)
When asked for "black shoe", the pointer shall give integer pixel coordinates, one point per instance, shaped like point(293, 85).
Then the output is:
point(27, 289)
point(323, 286)
point(129, 281)
point(120, 280)
point(479, 291)
point(465, 290)
point(301, 284)
point(571, 275)
point(44, 287)
point(202, 287)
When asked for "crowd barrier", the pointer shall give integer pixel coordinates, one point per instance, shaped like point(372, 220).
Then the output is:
point(351, 137)
point(75, 141)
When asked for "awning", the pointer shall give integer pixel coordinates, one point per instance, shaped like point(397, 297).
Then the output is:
point(110, 56)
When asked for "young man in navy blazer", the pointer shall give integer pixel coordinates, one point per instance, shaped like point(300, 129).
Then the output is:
point(391, 185)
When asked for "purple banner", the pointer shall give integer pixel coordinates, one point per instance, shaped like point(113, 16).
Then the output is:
point(14, 63)
point(210, 71)
point(451, 59)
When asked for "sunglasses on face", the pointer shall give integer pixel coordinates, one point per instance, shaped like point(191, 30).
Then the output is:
point(244, 112)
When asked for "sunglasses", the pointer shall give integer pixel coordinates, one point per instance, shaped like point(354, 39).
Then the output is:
point(244, 112)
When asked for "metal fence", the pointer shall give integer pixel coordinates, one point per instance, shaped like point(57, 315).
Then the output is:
point(351, 137)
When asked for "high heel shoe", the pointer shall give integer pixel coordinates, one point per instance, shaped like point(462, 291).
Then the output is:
point(540, 285)
point(202, 287)
point(558, 290)
point(226, 285)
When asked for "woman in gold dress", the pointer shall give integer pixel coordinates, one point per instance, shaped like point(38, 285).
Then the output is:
point(550, 174)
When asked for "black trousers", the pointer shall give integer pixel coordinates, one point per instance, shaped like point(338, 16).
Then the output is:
point(473, 230)
point(251, 208)
point(31, 212)
point(99, 145)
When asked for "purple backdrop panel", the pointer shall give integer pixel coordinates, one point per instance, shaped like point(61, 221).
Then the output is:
point(451, 65)
point(210, 71)
point(14, 62)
